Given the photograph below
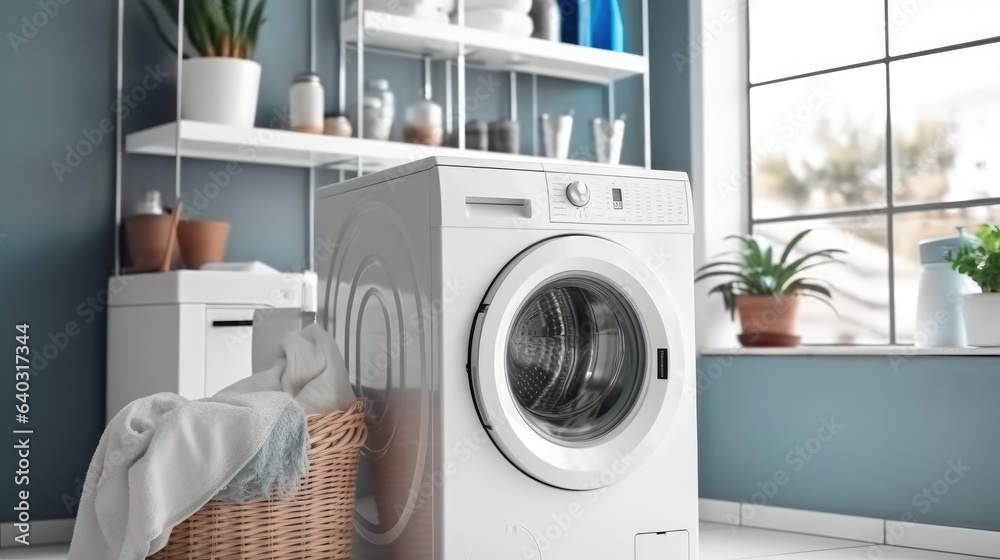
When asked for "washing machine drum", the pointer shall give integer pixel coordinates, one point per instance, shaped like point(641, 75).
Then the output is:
point(577, 361)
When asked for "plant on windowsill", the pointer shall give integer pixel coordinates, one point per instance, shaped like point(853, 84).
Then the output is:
point(979, 259)
point(222, 84)
point(766, 291)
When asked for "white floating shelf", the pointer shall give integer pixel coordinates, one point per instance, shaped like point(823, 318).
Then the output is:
point(294, 149)
point(495, 51)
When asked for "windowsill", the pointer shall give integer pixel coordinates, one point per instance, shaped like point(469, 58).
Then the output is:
point(903, 351)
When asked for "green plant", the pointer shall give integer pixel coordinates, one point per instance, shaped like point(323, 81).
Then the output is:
point(227, 28)
point(755, 272)
point(980, 259)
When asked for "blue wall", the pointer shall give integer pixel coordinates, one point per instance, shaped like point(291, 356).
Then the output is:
point(56, 235)
point(903, 426)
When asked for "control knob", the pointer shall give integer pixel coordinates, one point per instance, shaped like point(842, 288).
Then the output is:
point(578, 193)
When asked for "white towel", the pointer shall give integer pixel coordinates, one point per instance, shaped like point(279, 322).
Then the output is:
point(164, 457)
point(429, 10)
point(517, 6)
point(500, 21)
point(160, 460)
point(312, 371)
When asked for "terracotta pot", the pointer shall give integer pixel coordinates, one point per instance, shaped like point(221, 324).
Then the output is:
point(202, 241)
point(768, 314)
point(147, 236)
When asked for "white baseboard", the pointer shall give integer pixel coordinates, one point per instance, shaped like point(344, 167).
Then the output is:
point(50, 531)
point(718, 511)
point(849, 527)
point(956, 540)
point(944, 539)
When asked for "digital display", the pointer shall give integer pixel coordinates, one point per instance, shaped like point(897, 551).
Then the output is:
point(616, 196)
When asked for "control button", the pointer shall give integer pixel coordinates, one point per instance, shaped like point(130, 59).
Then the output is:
point(578, 193)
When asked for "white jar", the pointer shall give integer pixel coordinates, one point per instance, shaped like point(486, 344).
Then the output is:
point(305, 104)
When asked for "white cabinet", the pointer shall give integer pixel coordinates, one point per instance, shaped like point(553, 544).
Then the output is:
point(195, 332)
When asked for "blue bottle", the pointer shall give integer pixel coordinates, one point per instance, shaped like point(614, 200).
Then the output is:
point(607, 29)
point(576, 21)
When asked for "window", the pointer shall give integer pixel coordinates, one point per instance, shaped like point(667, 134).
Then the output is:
point(877, 124)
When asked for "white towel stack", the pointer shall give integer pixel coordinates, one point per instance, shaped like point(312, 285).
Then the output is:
point(509, 17)
point(426, 10)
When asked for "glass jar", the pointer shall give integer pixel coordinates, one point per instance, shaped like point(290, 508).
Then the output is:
point(338, 124)
point(305, 104)
point(379, 116)
point(424, 123)
point(505, 137)
point(477, 136)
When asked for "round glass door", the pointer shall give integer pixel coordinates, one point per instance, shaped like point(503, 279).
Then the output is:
point(575, 359)
point(570, 362)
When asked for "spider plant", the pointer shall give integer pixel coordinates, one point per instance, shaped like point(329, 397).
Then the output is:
point(755, 272)
point(226, 28)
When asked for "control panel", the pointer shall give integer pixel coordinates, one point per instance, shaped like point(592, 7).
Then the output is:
point(598, 199)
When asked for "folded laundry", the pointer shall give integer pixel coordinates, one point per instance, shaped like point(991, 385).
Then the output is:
point(500, 21)
point(431, 10)
point(518, 6)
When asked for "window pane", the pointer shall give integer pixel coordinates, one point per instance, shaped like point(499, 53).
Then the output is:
point(790, 37)
point(818, 144)
point(860, 285)
point(910, 229)
point(916, 25)
point(946, 126)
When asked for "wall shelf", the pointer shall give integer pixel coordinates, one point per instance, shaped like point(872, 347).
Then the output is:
point(202, 140)
point(494, 51)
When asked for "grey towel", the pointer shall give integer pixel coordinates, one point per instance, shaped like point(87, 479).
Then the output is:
point(277, 469)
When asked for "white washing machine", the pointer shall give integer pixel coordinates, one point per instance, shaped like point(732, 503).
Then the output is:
point(525, 333)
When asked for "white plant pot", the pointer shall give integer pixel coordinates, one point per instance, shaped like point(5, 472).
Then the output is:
point(981, 315)
point(220, 90)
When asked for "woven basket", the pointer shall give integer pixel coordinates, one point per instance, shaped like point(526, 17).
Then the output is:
point(316, 525)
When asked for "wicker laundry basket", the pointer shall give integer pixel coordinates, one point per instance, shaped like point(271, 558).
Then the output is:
point(316, 525)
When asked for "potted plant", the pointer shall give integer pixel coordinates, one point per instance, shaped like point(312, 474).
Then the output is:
point(979, 259)
point(221, 85)
point(766, 291)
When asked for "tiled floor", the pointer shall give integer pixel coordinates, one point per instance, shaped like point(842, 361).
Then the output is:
point(723, 542)
point(718, 542)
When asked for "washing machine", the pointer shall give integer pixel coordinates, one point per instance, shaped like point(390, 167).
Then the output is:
point(524, 333)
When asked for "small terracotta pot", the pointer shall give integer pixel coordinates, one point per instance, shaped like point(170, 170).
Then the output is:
point(202, 241)
point(147, 236)
point(768, 314)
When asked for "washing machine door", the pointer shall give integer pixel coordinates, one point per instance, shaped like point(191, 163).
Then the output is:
point(575, 362)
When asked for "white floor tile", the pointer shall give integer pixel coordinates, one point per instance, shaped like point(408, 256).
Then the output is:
point(870, 552)
point(736, 543)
